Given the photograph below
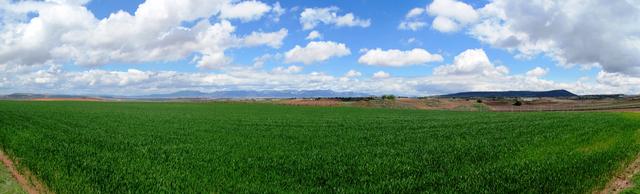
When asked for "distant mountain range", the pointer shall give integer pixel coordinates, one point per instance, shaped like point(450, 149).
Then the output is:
point(512, 94)
point(257, 94)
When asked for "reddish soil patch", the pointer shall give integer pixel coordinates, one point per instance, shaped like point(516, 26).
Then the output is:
point(559, 105)
point(67, 99)
point(452, 104)
point(423, 104)
point(311, 102)
point(28, 183)
point(412, 102)
point(622, 181)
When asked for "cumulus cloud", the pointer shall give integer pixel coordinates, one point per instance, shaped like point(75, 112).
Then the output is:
point(381, 75)
point(68, 32)
point(411, 25)
point(537, 72)
point(316, 51)
point(272, 39)
point(245, 10)
point(311, 17)
point(398, 58)
point(618, 80)
point(353, 73)
point(288, 70)
point(451, 15)
point(415, 12)
point(38, 35)
point(314, 35)
point(471, 62)
point(277, 11)
point(413, 20)
point(54, 79)
point(573, 32)
point(591, 33)
point(259, 61)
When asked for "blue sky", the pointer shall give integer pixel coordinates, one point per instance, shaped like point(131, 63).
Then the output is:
point(458, 46)
point(386, 16)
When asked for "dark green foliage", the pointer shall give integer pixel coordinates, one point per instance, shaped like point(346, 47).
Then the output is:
point(99, 147)
point(388, 97)
point(517, 103)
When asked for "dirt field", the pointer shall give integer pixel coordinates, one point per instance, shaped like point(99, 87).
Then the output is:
point(565, 105)
point(311, 102)
point(401, 103)
point(502, 105)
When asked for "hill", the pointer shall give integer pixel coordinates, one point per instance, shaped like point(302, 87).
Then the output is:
point(512, 94)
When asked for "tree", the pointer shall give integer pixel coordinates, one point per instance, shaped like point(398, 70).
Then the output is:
point(388, 97)
point(518, 103)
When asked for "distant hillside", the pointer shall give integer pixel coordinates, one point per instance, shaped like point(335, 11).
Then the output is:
point(258, 94)
point(512, 94)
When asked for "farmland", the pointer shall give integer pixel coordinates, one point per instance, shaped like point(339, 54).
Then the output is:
point(138, 147)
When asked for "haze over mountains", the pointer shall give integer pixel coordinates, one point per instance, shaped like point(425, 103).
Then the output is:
point(258, 94)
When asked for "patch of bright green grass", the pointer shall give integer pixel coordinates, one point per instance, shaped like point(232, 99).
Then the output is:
point(90, 147)
point(8, 184)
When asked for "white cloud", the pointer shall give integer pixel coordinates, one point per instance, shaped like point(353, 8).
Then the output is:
point(411, 25)
point(53, 79)
point(415, 12)
point(316, 51)
point(451, 15)
point(444, 24)
point(258, 62)
point(63, 32)
point(573, 32)
point(412, 20)
point(413, 40)
point(314, 35)
point(353, 73)
point(272, 39)
point(381, 75)
point(398, 58)
point(288, 70)
point(214, 60)
point(245, 10)
point(537, 72)
point(471, 62)
point(311, 17)
point(277, 11)
point(618, 80)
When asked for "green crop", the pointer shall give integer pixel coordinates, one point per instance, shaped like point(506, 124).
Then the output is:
point(118, 147)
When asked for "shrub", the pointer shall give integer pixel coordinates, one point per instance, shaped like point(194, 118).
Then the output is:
point(388, 97)
point(518, 103)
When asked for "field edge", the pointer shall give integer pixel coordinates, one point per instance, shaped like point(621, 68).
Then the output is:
point(29, 183)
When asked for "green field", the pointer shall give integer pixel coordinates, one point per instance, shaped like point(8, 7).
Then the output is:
point(117, 147)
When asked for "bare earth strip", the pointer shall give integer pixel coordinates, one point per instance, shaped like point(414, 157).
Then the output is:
point(623, 180)
point(31, 187)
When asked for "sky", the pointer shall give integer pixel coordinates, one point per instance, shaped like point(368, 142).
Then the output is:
point(415, 48)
